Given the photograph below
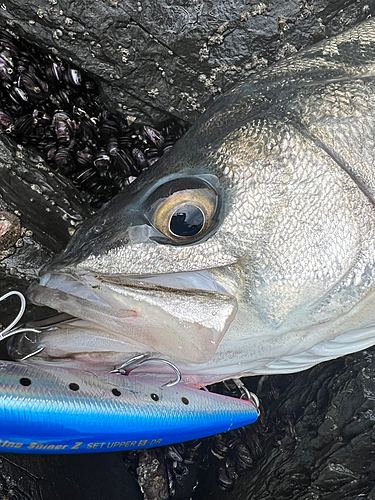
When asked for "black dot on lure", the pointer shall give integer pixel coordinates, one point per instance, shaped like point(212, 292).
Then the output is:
point(25, 382)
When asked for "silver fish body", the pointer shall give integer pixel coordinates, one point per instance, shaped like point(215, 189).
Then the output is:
point(250, 247)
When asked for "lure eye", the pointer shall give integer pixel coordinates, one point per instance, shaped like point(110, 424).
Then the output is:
point(185, 215)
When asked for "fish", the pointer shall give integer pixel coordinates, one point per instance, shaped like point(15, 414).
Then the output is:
point(248, 249)
point(55, 410)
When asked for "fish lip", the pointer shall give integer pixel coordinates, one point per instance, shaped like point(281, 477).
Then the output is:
point(200, 280)
point(182, 327)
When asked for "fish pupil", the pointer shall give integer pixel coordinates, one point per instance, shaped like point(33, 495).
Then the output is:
point(188, 220)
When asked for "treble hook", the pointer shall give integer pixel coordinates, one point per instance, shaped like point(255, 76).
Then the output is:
point(19, 315)
point(34, 353)
point(131, 361)
point(246, 394)
point(141, 359)
point(9, 330)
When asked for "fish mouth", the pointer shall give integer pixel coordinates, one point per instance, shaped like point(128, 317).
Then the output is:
point(179, 316)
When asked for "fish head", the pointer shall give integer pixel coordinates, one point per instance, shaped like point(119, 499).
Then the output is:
point(146, 260)
point(249, 247)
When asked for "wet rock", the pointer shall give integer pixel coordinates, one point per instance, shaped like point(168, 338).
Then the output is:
point(47, 204)
point(316, 434)
point(156, 58)
point(315, 438)
point(152, 477)
point(39, 210)
point(10, 233)
point(59, 477)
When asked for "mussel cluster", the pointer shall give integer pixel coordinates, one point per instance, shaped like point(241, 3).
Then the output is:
point(179, 462)
point(222, 458)
point(235, 456)
point(234, 451)
point(48, 104)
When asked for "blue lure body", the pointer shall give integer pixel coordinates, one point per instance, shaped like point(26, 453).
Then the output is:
point(57, 410)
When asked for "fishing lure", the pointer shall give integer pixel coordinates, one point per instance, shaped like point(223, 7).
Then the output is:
point(58, 410)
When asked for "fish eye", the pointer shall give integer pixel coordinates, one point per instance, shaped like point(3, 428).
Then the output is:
point(185, 215)
point(187, 220)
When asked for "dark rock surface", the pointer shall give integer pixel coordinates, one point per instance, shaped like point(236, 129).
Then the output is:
point(156, 58)
point(39, 209)
point(47, 204)
point(58, 477)
point(153, 59)
point(316, 436)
